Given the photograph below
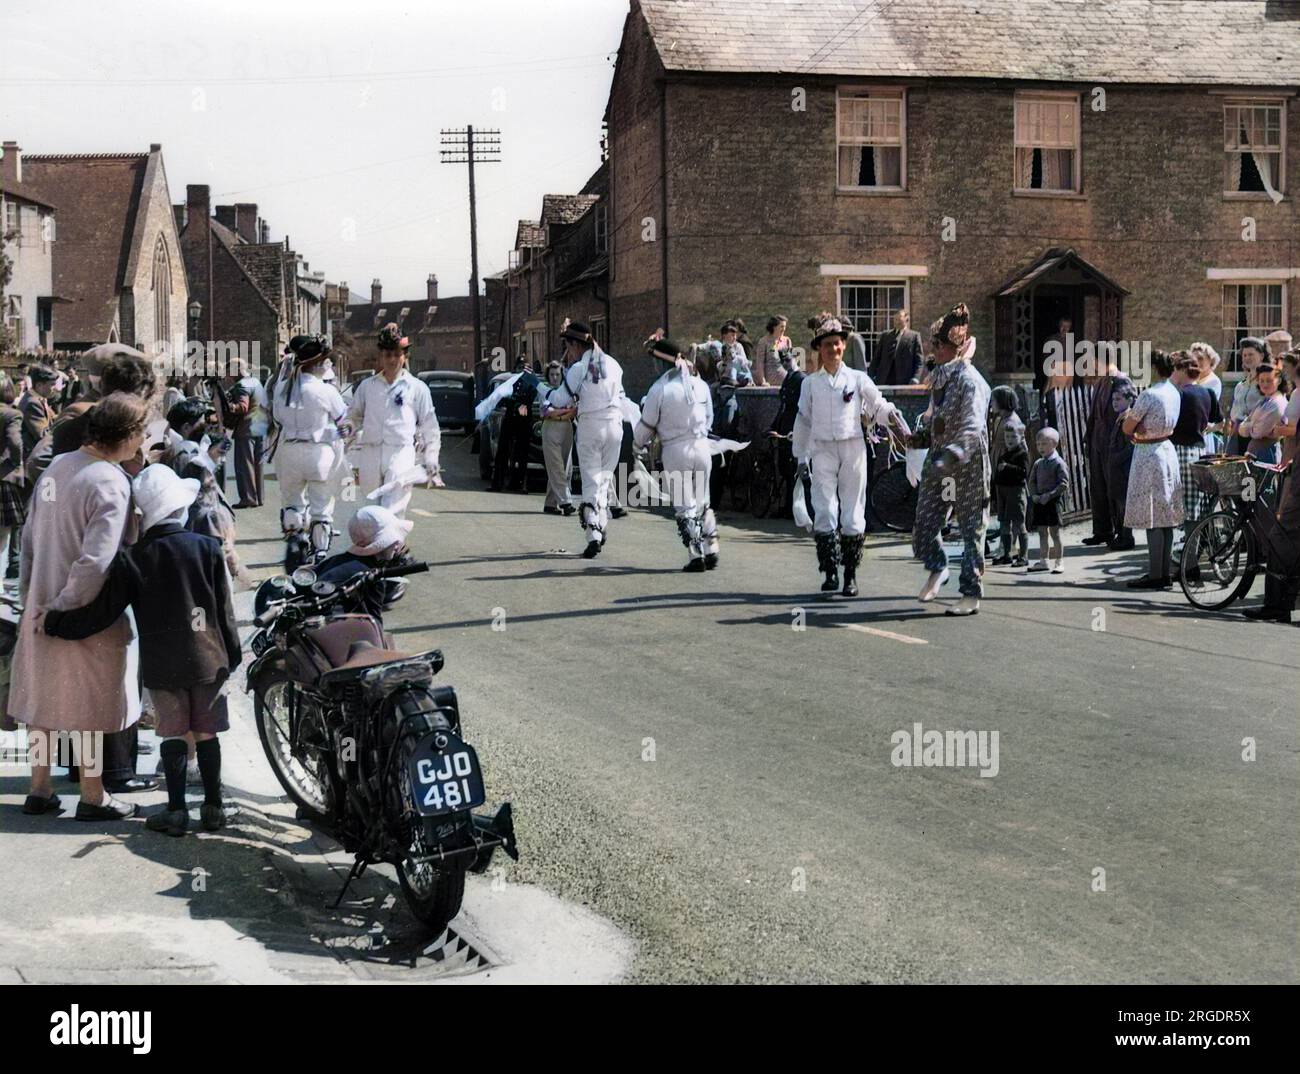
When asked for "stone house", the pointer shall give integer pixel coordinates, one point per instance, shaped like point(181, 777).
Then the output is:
point(441, 329)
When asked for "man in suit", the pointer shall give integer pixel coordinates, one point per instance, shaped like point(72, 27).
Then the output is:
point(898, 354)
point(1102, 419)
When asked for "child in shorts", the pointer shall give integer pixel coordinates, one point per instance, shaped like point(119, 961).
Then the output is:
point(176, 583)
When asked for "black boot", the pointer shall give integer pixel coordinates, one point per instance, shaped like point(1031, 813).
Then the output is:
point(828, 560)
point(851, 554)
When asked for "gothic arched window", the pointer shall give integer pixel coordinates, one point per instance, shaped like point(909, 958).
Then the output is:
point(162, 293)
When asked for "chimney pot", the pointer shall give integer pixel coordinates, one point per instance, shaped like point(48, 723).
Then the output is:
point(433, 288)
point(376, 293)
point(155, 147)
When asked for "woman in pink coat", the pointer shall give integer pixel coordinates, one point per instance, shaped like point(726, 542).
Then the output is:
point(76, 523)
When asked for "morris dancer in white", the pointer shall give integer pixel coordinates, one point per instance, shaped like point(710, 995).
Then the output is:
point(679, 410)
point(834, 404)
point(594, 383)
point(392, 410)
point(312, 418)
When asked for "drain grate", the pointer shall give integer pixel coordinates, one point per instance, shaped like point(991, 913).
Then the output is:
point(456, 954)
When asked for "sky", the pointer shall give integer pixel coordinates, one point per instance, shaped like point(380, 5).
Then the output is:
point(328, 114)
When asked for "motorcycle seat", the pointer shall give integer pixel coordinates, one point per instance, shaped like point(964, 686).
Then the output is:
point(363, 655)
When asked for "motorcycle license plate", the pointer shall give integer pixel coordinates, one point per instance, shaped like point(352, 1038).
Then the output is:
point(445, 780)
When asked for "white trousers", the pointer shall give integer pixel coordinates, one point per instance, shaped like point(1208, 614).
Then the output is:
point(839, 486)
point(685, 480)
point(599, 442)
point(308, 478)
point(378, 464)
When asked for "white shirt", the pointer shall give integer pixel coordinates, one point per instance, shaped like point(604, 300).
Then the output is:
point(676, 407)
point(315, 409)
point(825, 413)
point(595, 398)
point(393, 414)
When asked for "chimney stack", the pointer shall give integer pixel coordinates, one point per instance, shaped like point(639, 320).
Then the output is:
point(433, 288)
point(13, 162)
point(264, 231)
point(197, 203)
point(376, 293)
point(246, 221)
point(226, 216)
point(343, 296)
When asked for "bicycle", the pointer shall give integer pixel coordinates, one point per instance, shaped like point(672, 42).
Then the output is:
point(1223, 554)
point(893, 496)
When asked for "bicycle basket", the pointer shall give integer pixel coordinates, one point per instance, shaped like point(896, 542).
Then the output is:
point(1222, 475)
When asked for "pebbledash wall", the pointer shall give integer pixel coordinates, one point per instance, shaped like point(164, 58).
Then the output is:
point(755, 224)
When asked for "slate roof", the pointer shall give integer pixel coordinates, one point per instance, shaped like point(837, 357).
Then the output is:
point(93, 246)
point(529, 233)
point(449, 314)
point(263, 264)
point(566, 208)
point(25, 192)
point(1219, 42)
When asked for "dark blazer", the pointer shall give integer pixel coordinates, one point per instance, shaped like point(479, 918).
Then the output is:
point(37, 416)
point(11, 422)
point(789, 402)
point(1101, 415)
point(176, 583)
point(898, 357)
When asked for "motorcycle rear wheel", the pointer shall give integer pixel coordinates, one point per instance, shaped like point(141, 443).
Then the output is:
point(433, 895)
point(307, 789)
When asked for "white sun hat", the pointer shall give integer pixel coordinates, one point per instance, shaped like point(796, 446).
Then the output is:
point(373, 529)
point(159, 492)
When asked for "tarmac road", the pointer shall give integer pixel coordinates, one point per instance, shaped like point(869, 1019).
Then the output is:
point(770, 838)
point(688, 764)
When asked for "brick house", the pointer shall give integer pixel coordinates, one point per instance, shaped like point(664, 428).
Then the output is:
point(1132, 164)
point(27, 237)
point(441, 330)
point(117, 258)
point(251, 290)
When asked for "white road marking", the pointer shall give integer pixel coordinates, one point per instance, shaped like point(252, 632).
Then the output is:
point(422, 513)
point(906, 638)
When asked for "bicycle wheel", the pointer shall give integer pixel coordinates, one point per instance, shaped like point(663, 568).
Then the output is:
point(1219, 561)
point(893, 499)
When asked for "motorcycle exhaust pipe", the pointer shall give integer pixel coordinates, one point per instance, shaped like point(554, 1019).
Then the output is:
point(501, 830)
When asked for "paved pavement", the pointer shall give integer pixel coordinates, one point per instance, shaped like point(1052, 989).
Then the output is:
point(688, 764)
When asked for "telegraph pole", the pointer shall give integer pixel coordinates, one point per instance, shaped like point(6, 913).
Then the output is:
point(463, 146)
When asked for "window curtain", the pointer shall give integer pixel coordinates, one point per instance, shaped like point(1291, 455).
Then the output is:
point(889, 164)
point(1251, 133)
point(1058, 169)
point(850, 164)
point(1260, 314)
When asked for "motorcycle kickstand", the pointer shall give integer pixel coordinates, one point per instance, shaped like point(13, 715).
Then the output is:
point(358, 868)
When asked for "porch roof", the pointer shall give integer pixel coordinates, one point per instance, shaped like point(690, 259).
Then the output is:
point(1051, 260)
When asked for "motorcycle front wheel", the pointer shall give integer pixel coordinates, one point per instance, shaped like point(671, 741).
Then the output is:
point(304, 775)
point(434, 895)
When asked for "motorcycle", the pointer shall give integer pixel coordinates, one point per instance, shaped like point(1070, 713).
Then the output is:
point(367, 746)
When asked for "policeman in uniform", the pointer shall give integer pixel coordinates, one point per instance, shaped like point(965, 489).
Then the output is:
point(393, 410)
point(312, 418)
point(593, 383)
point(834, 404)
point(679, 411)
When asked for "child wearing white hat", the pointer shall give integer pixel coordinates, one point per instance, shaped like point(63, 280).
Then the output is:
point(175, 582)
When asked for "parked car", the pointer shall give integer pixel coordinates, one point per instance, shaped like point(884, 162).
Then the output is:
point(453, 397)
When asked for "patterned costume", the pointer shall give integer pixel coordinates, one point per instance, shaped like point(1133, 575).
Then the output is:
point(956, 472)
